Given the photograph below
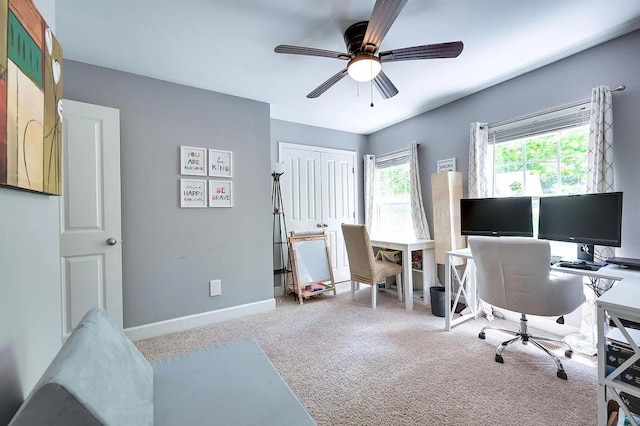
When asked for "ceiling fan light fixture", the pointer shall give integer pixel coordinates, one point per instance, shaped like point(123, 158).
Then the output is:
point(364, 67)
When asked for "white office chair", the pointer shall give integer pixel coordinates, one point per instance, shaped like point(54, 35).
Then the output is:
point(513, 273)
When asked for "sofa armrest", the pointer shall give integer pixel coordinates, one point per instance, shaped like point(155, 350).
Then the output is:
point(97, 377)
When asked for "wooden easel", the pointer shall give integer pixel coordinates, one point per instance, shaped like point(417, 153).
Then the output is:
point(310, 262)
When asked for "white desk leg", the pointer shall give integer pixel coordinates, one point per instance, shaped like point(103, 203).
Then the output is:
point(407, 278)
point(602, 390)
point(426, 275)
point(472, 289)
point(447, 292)
point(429, 268)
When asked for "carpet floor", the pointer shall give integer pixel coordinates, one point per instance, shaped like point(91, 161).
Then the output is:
point(352, 365)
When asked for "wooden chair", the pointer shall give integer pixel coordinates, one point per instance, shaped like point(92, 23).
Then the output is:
point(363, 266)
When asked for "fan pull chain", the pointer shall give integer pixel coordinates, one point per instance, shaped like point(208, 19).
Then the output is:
point(371, 94)
point(371, 83)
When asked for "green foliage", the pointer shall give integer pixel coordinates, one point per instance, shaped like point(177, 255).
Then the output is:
point(393, 182)
point(558, 161)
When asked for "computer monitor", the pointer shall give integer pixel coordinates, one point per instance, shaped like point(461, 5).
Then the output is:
point(583, 219)
point(509, 216)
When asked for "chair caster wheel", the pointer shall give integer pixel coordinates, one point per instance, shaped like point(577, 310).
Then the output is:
point(481, 335)
point(568, 353)
point(499, 359)
point(561, 374)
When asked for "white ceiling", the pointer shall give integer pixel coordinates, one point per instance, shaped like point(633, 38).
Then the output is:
point(227, 46)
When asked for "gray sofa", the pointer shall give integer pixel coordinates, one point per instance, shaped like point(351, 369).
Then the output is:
point(100, 378)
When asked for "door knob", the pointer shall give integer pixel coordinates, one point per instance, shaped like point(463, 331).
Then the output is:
point(111, 241)
point(318, 225)
point(324, 225)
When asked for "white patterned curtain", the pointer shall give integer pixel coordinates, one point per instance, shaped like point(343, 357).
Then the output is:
point(369, 189)
point(480, 164)
point(599, 179)
point(600, 155)
point(480, 177)
point(420, 225)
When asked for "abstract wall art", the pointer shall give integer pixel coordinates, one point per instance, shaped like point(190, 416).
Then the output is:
point(30, 100)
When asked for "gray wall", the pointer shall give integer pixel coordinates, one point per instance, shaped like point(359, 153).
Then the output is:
point(288, 132)
point(30, 299)
point(444, 132)
point(169, 253)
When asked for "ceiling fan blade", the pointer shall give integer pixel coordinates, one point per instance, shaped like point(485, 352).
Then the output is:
point(327, 84)
point(427, 51)
point(385, 86)
point(383, 16)
point(311, 51)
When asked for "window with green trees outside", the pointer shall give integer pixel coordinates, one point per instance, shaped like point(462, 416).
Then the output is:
point(552, 163)
point(393, 202)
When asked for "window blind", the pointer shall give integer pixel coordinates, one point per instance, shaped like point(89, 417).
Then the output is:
point(395, 159)
point(546, 121)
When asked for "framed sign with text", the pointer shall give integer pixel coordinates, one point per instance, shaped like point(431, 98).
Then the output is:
point(193, 193)
point(448, 165)
point(193, 161)
point(220, 193)
point(220, 164)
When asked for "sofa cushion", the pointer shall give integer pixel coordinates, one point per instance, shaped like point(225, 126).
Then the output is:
point(230, 384)
point(98, 377)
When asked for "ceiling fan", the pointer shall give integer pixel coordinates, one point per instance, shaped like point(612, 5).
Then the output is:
point(365, 61)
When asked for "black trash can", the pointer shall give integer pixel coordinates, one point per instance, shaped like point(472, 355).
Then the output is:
point(437, 300)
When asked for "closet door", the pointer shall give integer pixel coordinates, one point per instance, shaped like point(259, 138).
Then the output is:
point(301, 189)
point(338, 206)
point(318, 191)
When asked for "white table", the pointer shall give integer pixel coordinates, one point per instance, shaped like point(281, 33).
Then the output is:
point(467, 284)
point(621, 301)
point(407, 245)
point(466, 287)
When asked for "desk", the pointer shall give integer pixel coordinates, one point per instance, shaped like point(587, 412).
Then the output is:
point(622, 301)
point(407, 245)
point(467, 285)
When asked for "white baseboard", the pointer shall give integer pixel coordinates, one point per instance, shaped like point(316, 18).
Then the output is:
point(198, 320)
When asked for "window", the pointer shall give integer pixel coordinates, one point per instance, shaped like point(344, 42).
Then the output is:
point(543, 154)
point(553, 163)
point(392, 203)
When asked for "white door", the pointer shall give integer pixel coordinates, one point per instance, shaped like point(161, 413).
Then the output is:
point(90, 241)
point(301, 189)
point(338, 206)
point(318, 192)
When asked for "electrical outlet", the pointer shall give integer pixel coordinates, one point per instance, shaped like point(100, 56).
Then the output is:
point(215, 288)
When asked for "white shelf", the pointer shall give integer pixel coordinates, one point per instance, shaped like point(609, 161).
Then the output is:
point(619, 302)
